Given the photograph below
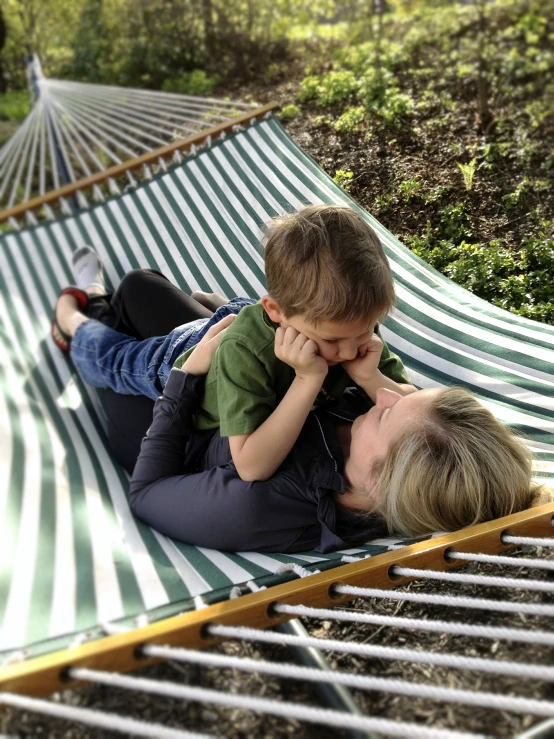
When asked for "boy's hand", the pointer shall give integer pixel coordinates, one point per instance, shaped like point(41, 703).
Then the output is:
point(366, 365)
point(300, 353)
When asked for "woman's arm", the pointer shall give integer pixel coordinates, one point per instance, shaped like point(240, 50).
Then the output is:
point(202, 508)
point(213, 508)
point(162, 450)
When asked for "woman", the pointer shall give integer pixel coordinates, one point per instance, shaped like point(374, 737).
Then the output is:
point(433, 460)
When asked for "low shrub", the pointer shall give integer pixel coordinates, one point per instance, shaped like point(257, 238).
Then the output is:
point(329, 89)
point(289, 112)
point(351, 120)
point(14, 105)
point(516, 281)
point(196, 82)
point(343, 178)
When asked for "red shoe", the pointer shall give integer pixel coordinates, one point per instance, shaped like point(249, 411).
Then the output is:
point(82, 299)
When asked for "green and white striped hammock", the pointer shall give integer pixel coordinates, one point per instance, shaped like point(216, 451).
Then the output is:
point(72, 557)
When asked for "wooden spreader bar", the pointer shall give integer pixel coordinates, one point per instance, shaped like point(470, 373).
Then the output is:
point(121, 652)
point(119, 170)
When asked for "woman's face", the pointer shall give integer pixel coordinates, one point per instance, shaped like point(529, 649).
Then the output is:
point(374, 432)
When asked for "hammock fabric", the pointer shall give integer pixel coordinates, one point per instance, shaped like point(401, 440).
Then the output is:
point(72, 557)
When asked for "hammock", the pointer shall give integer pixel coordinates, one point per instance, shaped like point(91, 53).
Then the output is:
point(72, 557)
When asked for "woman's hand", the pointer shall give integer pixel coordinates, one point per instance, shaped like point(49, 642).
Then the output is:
point(201, 358)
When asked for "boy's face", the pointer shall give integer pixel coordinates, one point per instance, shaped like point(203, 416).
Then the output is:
point(337, 341)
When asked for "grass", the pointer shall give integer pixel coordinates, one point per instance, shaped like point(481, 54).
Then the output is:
point(14, 105)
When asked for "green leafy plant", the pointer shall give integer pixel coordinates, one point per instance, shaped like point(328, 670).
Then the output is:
point(289, 112)
point(336, 86)
point(343, 178)
point(321, 120)
point(516, 282)
point(14, 106)
point(511, 199)
point(410, 188)
point(196, 82)
point(351, 120)
point(452, 222)
point(309, 88)
point(468, 171)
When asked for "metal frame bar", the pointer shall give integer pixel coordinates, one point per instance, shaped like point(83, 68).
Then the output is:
point(120, 652)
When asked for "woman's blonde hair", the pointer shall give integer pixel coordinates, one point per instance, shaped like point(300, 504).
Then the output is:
point(459, 468)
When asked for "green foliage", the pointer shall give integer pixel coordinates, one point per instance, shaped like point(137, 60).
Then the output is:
point(309, 88)
point(351, 120)
point(196, 82)
point(452, 222)
point(14, 106)
point(373, 86)
point(329, 89)
point(145, 43)
point(360, 57)
point(468, 170)
point(343, 178)
point(288, 112)
point(517, 281)
point(395, 107)
point(275, 71)
point(320, 121)
point(410, 188)
point(511, 199)
point(539, 110)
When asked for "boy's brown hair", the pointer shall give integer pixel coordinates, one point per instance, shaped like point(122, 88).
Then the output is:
point(326, 262)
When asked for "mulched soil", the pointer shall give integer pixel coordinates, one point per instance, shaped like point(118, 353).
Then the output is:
point(248, 725)
point(427, 151)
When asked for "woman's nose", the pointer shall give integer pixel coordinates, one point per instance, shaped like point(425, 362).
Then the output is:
point(386, 398)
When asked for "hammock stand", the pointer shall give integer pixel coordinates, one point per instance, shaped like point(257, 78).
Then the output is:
point(124, 651)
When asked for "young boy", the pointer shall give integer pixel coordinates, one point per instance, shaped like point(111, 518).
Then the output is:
point(306, 341)
point(329, 283)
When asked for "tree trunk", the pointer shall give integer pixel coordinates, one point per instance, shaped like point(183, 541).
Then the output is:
point(2, 42)
point(209, 30)
point(483, 106)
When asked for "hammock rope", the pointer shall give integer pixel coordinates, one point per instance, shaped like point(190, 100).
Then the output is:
point(455, 577)
point(332, 718)
point(454, 661)
point(500, 559)
point(286, 709)
point(453, 601)
point(499, 702)
point(72, 125)
point(528, 541)
point(109, 721)
point(438, 626)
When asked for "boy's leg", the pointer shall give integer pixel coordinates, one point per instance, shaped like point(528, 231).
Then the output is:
point(148, 304)
point(106, 358)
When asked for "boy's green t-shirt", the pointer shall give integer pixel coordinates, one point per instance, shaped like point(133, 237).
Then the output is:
point(246, 381)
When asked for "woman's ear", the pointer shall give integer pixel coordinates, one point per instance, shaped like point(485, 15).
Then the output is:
point(273, 309)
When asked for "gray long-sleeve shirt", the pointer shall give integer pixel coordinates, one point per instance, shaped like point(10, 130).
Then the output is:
point(192, 492)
